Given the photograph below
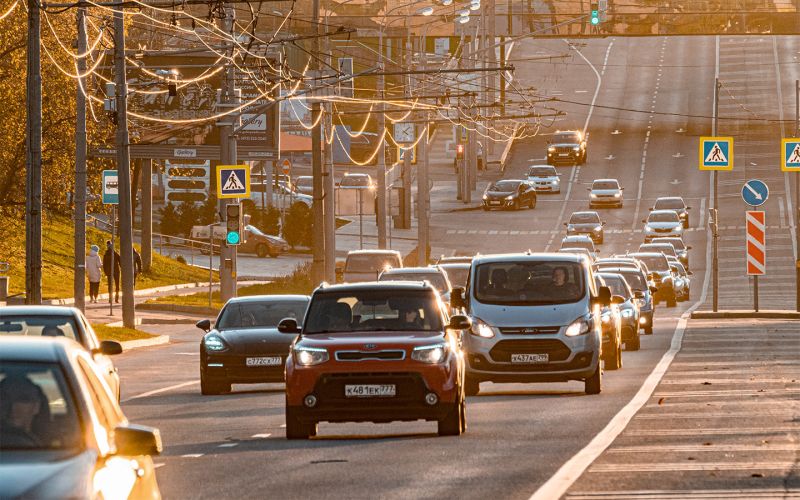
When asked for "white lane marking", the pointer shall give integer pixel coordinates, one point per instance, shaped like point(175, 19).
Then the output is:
point(156, 466)
point(745, 494)
point(708, 431)
point(188, 353)
point(701, 219)
point(159, 391)
point(691, 466)
point(695, 447)
point(228, 445)
point(787, 186)
point(560, 482)
point(261, 436)
point(192, 455)
point(781, 211)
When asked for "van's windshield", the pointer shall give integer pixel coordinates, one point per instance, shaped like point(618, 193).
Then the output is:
point(529, 283)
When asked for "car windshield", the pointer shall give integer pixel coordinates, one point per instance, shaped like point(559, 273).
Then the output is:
point(457, 275)
point(570, 137)
point(37, 411)
point(266, 314)
point(355, 180)
point(664, 248)
point(655, 262)
point(676, 243)
point(504, 186)
point(605, 185)
point(617, 286)
point(669, 204)
point(584, 218)
point(44, 326)
point(542, 172)
point(587, 244)
point(664, 217)
point(635, 279)
point(436, 279)
point(255, 231)
point(370, 263)
point(386, 309)
point(529, 283)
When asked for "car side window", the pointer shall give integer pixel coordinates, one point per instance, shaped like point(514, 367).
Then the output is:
point(108, 412)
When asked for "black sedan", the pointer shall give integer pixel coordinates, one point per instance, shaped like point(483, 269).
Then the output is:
point(509, 194)
point(245, 346)
point(62, 433)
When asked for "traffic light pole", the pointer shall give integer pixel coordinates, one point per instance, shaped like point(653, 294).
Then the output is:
point(227, 253)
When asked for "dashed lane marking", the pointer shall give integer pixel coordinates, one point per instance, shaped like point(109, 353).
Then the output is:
point(629, 468)
point(159, 391)
point(739, 494)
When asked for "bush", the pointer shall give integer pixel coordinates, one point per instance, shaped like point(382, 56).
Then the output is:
point(269, 220)
point(169, 220)
point(188, 216)
point(298, 226)
point(181, 259)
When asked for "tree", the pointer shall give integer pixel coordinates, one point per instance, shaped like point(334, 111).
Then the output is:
point(169, 220)
point(299, 225)
point(188, 216)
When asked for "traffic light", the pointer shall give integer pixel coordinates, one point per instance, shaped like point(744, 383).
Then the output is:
point(595, 15)
point(459, 151)
point(233, 223)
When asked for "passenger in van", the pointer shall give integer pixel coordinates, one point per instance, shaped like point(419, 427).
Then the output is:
point(560, 288)
point(497, 284)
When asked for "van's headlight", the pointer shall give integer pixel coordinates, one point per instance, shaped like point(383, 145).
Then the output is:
point(432, 354)
point(481, 329)
point(578, 327)
point(309, 356)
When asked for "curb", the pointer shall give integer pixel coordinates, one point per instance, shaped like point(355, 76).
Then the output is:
point(137, 293)
point(136, 344)
point(744, 314)
point(176, 308)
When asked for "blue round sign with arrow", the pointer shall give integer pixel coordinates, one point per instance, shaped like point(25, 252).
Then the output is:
point(755, 192)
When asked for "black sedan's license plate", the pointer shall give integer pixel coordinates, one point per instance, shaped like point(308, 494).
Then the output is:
point(264, 361)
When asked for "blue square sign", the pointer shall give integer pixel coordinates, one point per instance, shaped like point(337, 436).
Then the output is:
point(233, 181)
point(110, 187)
point(790, 154)
point(716, 153)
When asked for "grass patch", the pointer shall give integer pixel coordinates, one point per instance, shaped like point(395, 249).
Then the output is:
point(299, 282)
point(120, 334)
point(58, 258)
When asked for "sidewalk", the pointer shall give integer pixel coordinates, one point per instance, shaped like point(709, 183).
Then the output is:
point(722, 421)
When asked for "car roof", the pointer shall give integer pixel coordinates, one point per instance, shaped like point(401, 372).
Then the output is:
point(606, 180)
point(42, 310)
point(529, 257)
point(409, 270)
point(585, 212)
point(620, 269)
point(268, 298)
point(576, 237)
point(459, 265)
point(647, 254)
point(660, 211)
point(36, 349)
point(375, 285)
point(660, 198)
point(373, 252)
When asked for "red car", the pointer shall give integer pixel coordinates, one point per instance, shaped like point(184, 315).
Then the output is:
point(375, 352)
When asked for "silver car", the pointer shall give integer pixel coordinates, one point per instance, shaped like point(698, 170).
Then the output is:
point(367, 265)
point(433, 275)
point(534, 320)
point(605, 193)
point(544, 179)
point(662, 223)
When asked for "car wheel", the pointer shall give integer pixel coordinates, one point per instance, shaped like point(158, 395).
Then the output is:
point(451, 424)
point(614, 360)
point(261, 250)
point(486, 208)
point(463, 409)
point(671, 302)
point(212, 388)
point(516, 205)
point(600, 240)
point(471, 386)
point(686, 224)
point(295, 429)
point(648, 330)
point(634, 344)
point(532, 204)
point(274, 255)
point(594, 383)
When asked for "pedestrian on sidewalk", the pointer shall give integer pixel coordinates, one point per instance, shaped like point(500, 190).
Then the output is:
point(137, 265)
point(94, 268)
point(113, 279)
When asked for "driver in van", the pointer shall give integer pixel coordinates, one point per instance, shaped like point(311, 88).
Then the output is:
point(560, 288)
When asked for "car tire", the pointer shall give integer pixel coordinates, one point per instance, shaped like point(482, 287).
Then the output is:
point(295, 429)
point(672, 302)
point(600, 240)
point(648, 330)
point(274, 255)
point(634, 344)
point(213, 388)
point(262, 250)
point(452, 424)
point(532, 203)
point(471, 386)
point(614, 361)
point(594, 383)
point(486, 208)
point(516, 205)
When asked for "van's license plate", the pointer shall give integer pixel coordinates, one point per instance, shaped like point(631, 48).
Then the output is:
point(264, 361)
point(370, 391)
point(530, 358)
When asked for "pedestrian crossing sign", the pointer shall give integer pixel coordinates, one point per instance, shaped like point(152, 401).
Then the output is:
point(233, 181)
point(716, 153)
point(790, 155)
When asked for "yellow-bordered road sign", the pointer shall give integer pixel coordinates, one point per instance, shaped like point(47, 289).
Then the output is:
point(233, 181)
point(716, 153)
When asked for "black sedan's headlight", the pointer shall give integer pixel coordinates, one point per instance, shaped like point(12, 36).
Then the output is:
point(214, 343)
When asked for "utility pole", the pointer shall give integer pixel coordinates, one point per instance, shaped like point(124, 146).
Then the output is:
point(329, 206)
point(715, 236)
point(147, 214)
point(422, 181)
point(492, 35)
point(229, 156)
point(33, 161)
point(79, 279)
point(318, 236)
point(797, 198)
point(380, 213)
point(124, 171)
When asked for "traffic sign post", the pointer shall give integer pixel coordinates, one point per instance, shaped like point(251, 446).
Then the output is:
point(755, 192)
point(111, 197)
point(716, 153)
point(756, 248)
point(233, 181)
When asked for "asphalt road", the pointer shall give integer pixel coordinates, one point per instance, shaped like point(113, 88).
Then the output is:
point(518, 435)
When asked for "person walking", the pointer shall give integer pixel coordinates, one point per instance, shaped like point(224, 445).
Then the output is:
point(94, 268)
point(113, 280)
point(137, 265)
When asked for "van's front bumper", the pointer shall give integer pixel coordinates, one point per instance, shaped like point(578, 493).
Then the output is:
point(570, 358)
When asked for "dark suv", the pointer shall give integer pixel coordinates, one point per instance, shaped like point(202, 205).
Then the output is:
point(567, 146)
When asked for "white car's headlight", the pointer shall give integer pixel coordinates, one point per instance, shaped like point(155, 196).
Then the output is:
point(309, 356)
point(432, 354)
point(648, 229)
point(214, 343)
point(617, 195)
point(605, 318)
point(578, 327)
point(576, 148)
point(678, 229)
point(485, 197)
point(593, 195)
point(510, 197)
point(481, 329)
point(551, 149)
point(626, 313)
point(598, 228)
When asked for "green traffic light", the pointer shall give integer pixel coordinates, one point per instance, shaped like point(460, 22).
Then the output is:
point(595, 18)
point(233, 238)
